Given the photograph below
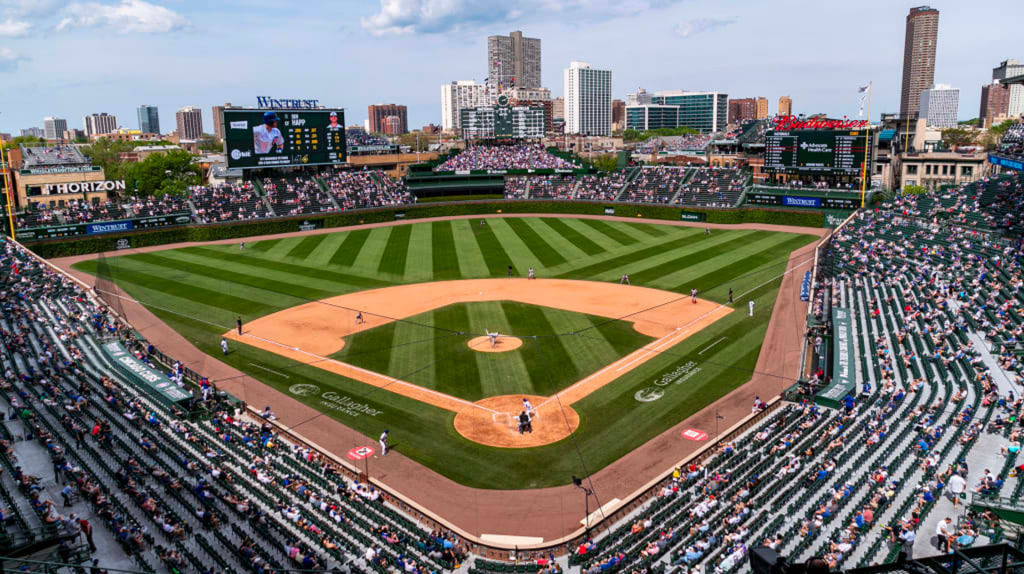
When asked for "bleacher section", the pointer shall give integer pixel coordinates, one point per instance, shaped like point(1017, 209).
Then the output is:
point(297, 195)
point(51, 156)
point(552, 187)
point(166, 205)
point(516, 187)
point(604, 187)
point(76, 211)
point(362, 189)
point(655, 185)
point(214, 204)
point(511, 157)
point(713, 187)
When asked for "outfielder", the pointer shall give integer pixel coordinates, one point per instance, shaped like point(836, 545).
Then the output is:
point(751, 305)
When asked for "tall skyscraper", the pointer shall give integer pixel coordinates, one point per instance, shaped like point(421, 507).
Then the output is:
point(588, 100)
point(458, 96)
point(1009, 69)
point(190, 123)
point(218, 121)
point(785, 106)
point(96, 124)
point(54, 128)
point(940, 106)
point(918, 58)
point(995, 104)
point(513, 61)
point(743, 109)
point(761, 108)
point(149, 119)
point(379, 112)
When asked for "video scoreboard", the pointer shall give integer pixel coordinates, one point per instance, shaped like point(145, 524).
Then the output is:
point(283, 138)
point(815, 151)
point(502, 121)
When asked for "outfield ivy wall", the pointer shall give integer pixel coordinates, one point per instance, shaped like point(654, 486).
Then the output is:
point(237, 230)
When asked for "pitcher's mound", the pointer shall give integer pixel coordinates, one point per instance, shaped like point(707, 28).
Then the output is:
point(503, 344)
point(495, 424)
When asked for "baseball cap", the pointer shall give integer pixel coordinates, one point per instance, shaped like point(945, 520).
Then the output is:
point(269, 117)
point(334, 114)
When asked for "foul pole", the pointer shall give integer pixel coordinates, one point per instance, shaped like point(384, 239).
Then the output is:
point(7, 188)
point(867, 152)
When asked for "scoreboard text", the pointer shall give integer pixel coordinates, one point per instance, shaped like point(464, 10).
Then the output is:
point(297, 138)
point(815, 151)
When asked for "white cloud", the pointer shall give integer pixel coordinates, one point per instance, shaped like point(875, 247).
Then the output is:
point(9, 59)
point(436, 16)
point(696, 26)
point(11, 28)
point(30, 7)
point(124, 17)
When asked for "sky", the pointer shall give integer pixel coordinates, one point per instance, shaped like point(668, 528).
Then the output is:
point(73, 58)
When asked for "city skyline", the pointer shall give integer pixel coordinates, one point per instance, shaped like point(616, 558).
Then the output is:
point(447, 41)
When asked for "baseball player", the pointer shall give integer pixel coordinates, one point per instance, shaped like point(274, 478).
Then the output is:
point(241, 246)
point(751, 305)
point(359, 318)
point(624, 280)
point(530, 275)
point(384, 443)
point(492, 336)
point(238, 323)
point(730, 295)
point(224, 345)
point(527, 406)
point(693, 296)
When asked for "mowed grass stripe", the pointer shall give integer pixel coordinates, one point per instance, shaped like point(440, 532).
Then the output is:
point(583, 243)
point(616, 235)
point(457, 375)
point(306, 246)
point(628, 258)
point(371, 349)
point(541, 249)
point(650, 229)
point(264, 245)
point(236, 305)
point(494, 254)
point(646, 276)
point(445, 258)
point(300, 270)
point(349, 249)
point(775, 253)
point(555, 361)
point(500, 373)
point(234, 277)
point(396, 251)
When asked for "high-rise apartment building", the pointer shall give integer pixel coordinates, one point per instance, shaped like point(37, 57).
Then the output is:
point(54, 128)
point(513, 61)
point(1009, 69)
point(33, 132)
point(458, 96)
point(618, 115)
point(379, 112)
point(761, 108)
point(218, 121)
point(149, 119)
point(940, 106)
point(190, 123)
point(706, 112)
point(558, 108)
point(995, 104)
point(918, 58)
point(743, 109)
point(588, 100)
point(97, 124)
point(785, 106)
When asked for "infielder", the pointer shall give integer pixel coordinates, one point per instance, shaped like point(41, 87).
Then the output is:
point(693, 296)
point(624, 280)
point(530, 275)
point(359, 318)
point(751, 305)
point(384, 443)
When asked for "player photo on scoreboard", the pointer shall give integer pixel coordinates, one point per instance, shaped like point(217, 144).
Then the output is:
point(334, 125)
point(267, 137)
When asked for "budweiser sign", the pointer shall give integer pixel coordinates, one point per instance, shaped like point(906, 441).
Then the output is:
point(788, 123)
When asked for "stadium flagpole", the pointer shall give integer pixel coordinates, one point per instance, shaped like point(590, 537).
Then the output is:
point(7, 188)
point(867, 152)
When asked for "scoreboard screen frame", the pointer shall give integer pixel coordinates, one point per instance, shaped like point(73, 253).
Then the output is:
point(860, 139)
point(305, 135)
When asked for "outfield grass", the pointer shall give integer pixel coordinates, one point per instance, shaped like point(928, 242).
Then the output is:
point(200, 290)
point(422, 351)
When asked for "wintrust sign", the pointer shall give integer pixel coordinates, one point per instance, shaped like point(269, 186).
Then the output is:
point(286, 104)
point(83, 187)
point(787, 123)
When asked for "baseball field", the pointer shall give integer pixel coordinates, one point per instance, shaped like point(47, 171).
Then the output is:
point(387, 328)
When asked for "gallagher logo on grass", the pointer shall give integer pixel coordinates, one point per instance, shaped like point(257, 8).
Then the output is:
point(304, 390)
point(676, 376)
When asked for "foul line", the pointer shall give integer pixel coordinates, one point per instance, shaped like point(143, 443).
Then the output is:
point(269, 370)
point(390, 380)
point(712, 345)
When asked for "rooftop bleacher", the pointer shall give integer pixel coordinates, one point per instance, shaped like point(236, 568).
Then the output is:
point(52, 156)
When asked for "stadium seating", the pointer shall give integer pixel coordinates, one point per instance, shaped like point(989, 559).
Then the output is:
point(166, 205)
point(552, 187)
point(214, 204)
point(201, 487)
point(516, 187)
point(713, 187)
point(76, 211)
point(362, 189)
point(503, 158)
point(655, 185)
point(604, 187)
point(298, 195)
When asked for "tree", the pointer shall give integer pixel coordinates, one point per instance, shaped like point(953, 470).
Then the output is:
point(970, 122)
point(160, 174)
point(636, 135)
point(955, 137)
point(999, 130)
point(26, 140)
point(605, 162)
point(106, 153)
point(914, 190)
